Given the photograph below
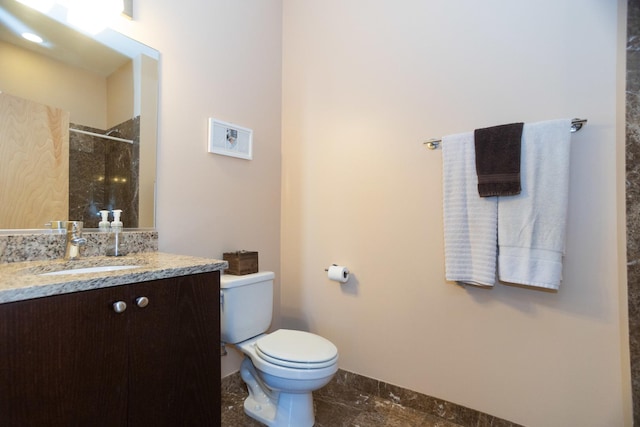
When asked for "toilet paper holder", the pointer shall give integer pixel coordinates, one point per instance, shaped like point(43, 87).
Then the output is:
point(334, 265)
point(338, 273)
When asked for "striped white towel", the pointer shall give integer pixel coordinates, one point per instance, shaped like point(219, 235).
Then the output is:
point(470, 221)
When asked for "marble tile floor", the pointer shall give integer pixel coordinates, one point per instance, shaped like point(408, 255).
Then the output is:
point(366, 411)
point(354, 401)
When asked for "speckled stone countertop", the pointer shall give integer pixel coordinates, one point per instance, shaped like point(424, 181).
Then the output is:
point(40, 245)
point(24, 280)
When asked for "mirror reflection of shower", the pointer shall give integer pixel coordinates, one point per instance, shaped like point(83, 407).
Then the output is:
point(104, 172)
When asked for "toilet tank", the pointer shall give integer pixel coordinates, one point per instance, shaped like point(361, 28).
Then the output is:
point(246, 305)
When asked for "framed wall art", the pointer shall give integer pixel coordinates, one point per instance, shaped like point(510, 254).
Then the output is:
point(229, 139)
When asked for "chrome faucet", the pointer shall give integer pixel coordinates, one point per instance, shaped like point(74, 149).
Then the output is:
point(74, 240)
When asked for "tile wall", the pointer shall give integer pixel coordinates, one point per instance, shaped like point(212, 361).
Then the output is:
point(633, 196)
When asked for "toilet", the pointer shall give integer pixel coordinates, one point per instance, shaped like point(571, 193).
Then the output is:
point(282, 368)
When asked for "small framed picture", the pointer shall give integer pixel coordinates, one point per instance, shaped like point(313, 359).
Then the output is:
point(229, 139)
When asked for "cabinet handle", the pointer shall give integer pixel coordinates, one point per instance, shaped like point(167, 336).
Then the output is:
point(142, 302)
point(119, 306)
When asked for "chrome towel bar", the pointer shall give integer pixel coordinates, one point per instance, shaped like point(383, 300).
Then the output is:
point(576, 125)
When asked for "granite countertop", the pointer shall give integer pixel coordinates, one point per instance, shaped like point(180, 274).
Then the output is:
point(24, 280)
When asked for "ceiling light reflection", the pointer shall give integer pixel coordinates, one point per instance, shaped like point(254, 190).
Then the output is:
point(32, 37)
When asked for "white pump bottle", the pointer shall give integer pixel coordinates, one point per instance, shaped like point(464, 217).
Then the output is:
point(113, 244)
point(116, 223)
point(104, 224)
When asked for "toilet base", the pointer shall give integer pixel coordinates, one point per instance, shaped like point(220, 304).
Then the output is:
point(273, 408)
point(292, 410)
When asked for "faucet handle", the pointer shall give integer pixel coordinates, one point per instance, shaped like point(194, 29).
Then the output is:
point(74, 227)
point(74, 240)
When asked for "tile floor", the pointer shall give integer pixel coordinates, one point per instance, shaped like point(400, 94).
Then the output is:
point(354, 401)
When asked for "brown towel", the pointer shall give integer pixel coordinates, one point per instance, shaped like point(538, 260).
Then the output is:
point(498, 159)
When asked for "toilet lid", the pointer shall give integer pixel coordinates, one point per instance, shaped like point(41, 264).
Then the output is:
point(291, 348)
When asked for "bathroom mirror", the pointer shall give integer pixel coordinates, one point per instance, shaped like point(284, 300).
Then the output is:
point(106, 85)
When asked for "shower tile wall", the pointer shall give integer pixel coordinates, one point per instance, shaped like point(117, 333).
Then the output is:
point(104, 174)
point(633, 196)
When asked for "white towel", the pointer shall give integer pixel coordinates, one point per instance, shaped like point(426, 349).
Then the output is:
point(470, 221)
point(531, 229)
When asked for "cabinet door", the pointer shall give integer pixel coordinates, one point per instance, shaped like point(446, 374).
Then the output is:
point(174, 352)
point(63, 361)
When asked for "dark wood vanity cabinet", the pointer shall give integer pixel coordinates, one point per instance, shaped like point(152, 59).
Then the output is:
point(72, 360)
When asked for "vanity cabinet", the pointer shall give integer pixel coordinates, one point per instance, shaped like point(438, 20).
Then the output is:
point(73, 360)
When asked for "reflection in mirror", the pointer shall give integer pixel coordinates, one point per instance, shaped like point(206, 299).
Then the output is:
point(78, 123)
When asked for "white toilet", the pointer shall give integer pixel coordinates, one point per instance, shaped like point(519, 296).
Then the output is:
point(282, 368)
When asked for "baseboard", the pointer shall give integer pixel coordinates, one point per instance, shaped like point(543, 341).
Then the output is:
point(345, 380)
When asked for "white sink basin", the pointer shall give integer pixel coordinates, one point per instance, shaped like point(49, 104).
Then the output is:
point(86, 270)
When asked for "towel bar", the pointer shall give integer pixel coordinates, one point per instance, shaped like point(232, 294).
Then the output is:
point(576, 125)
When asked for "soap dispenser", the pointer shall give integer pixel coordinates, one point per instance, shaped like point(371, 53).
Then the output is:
point(116, 219)
point(113, 244)
point(104, 224)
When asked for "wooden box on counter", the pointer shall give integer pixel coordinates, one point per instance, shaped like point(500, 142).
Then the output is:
point(241, 262)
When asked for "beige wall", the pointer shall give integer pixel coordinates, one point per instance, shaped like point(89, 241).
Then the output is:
point(219, 59)
point(364, 84)
point(33, 76)
point(120, 96)
point(149, 75)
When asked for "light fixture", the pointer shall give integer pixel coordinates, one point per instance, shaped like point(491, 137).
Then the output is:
point(90, 16)
point(43, 6)
point(93, 16)
point(17, 27)
point(32, 37)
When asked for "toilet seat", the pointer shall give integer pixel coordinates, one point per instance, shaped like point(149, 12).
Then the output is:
point(296, 349)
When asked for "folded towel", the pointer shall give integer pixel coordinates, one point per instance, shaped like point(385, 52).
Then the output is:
point(498, 159)
point(531, 229)
point(470, 222)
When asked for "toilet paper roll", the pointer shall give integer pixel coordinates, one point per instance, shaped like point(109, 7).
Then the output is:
point(339, 273)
